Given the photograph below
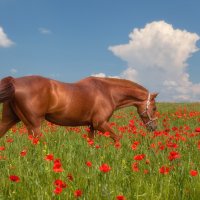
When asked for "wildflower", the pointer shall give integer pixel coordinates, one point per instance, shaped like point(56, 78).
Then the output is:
point(49, 157)
point(105, 168)
point(89, 164)
point(35, 141)
point(60, 183)
point(135, 167)
point(198, 145)
point(135, 145)
point(107, 134)
point(153, 145)
point(173, 155)
point(172, 145)
point(14, 178)
point(84, 136)
point(2, 148)
point(193, 172)
point(139, 157)
point(78, 193)
point(90, 142)
point(164, 170)
point(120, 197)
point(117, 145)
point(23, 152)
point(57, 167)
point(70, 177)
point(57, 190)
point(197, 129)
point(97, 146)
point(9, 140)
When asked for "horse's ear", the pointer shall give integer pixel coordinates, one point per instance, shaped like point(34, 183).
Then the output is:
point(154, 95)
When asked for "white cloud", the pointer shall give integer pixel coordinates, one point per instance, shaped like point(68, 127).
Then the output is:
point(44, 31)
point(157, 56)
point(4, 40)
point(102, 75)
point(13, 71)
point(99, 75)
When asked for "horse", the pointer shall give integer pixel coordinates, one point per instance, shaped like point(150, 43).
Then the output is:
point(88, 102)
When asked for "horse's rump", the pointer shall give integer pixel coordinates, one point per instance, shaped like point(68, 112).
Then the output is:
point(7, 89)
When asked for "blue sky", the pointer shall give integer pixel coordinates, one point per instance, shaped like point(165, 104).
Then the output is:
point(69, 40)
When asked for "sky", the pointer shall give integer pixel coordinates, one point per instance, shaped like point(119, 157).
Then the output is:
point(154, 43)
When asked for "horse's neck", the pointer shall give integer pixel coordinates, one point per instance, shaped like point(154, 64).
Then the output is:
point(130, 97)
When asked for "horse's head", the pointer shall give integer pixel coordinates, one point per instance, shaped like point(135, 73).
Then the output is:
point(147, 112)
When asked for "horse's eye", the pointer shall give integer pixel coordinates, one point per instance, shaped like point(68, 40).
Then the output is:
point(154, 109)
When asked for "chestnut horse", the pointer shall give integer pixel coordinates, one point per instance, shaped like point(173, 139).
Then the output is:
point(89, 102)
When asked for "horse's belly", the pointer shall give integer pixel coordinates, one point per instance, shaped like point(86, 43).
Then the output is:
point(66, 120)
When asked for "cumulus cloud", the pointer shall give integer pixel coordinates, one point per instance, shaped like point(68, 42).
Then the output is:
point(44, 31)
point(4, 40)
point(99, 75)
point(13, 71)
point(157, 56)
point(102, 75)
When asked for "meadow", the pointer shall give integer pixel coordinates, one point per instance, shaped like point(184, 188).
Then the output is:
point(64, 164)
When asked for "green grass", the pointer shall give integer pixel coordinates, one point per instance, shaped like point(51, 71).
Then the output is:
point(177, 123)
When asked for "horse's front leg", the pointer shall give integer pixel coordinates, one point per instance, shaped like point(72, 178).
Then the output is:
point(34, 131)
point(91, 132)
point(103, 127)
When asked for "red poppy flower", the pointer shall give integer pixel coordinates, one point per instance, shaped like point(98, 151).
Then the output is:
point(172, 145)
point(173, 155)
point(164, 170)
point(135, 167)
point(107, 134)
point(60, 183)
point(120, 197)
point(9, 140)
point(49, 157)
point(117, 145)
point(135, 145)
point(14, 178)
point(197, 129)
point(2, 148)
point(23, 152)
point(78, 193)
point(193, 172)
point(35, 141)
point(139, 157)
point(89, 164)
point(57, 167)
point(198, 145)
point(105, 168)
point(57, 190)
point(90, 142)
point(70, 177)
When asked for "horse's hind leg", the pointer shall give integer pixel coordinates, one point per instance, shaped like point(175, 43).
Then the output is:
point(8, 120)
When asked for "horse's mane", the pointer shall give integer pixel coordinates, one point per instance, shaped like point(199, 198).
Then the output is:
point(122, 82)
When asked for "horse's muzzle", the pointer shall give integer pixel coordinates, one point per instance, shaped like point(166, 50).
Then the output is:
point(151, 127)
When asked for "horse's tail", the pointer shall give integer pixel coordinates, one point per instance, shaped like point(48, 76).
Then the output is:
point(7, 89)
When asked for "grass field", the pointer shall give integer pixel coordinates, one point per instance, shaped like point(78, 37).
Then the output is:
point(64, 164)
